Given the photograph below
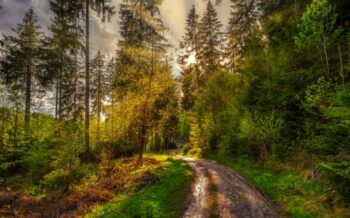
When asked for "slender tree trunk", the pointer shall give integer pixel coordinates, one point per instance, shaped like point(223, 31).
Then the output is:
point(99, 104)
point(325, 52)
point(296, 9)
point(87, 81)
point(56, 98)
point(142, 132)
point(15, 125)
point(3, 112)
point(28, 97)
point(75, 97)
point(321, 56)
point(2, 129)
point(60, 98)
point(142, 142)
point(342, 75)
point(144, 119)
point(60, 89)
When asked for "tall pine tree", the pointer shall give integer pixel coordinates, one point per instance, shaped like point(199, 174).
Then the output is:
point(244, 18)
point(106, 11)
point(209, 55)
point(99, 87)
point(188, 60)
point(140, 63)
point(64, 45)
point(20, 64)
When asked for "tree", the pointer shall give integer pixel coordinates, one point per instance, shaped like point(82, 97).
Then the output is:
point(99, 86)
point(140, 68)
point(190, 38)
point(21, 60)
point(63, 47)
point(106, 10)
point(244, 18)
point(190, 73)
point(317, 28)
point(209, 55)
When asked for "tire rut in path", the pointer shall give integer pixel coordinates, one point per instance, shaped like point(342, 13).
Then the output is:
point(235, 197)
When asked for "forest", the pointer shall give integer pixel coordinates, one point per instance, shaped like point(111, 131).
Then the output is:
point(243, 117)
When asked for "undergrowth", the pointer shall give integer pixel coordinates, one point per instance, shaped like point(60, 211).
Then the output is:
point(161, 200)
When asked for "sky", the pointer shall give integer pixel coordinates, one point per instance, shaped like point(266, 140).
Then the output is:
point(104, 36)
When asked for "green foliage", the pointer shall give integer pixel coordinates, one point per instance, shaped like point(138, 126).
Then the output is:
point(316, 96)
point(334, 135)
point(338, 172)
point(208, 53)
point(257, 133)
point(196, 145)
point(261, 133)
point(218, 110)
point(38, 156)
point(184, 125)
point(328, 126)
point(65, 158)
point(20, 64)
point(318, 23)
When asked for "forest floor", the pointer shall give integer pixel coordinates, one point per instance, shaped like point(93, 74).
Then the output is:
point(156, 189)
point(220, 192)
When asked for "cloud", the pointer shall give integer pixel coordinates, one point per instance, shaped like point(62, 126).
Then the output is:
point(174, 17)
point(12, 13)
point(42, 10)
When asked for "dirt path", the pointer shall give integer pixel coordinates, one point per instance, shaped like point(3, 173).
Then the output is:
point(234, 197)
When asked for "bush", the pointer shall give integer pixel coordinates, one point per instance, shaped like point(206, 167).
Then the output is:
point(184, 125)
point(338, 174)
point(261, 133)
point(60, 179)
point(65, 165)
point(196, 145)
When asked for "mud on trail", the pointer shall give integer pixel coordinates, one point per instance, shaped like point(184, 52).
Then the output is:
point(233, 196)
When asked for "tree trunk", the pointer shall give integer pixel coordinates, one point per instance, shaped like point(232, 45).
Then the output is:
point(2, 129)
point(342, 75)
point(15, 125)
point(28, 97)
point(321, 57)
point(87, 81)
point(56, 98)
point(99, 104)
point(325, 52)
point(142, 141)
point(60, 90)
point(75, 113)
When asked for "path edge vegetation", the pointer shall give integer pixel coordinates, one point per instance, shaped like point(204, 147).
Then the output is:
point(164, 199)
point(292, 191)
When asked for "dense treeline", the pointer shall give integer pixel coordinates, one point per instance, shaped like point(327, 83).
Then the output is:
point(275, 87)
point(59, 113)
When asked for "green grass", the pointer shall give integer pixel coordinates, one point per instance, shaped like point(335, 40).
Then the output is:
point(298, 197)
point(164, 199)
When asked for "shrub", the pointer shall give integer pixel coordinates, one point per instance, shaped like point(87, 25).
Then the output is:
point(196, 145)
point(60, 179)
point(338, 174)
point(184, 125)
point(261, 133)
